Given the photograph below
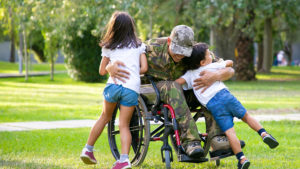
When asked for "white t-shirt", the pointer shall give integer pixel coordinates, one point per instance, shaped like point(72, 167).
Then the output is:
point(210, 92)
point(131, 58)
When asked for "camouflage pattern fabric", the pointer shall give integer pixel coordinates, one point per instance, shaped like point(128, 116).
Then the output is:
point(182, 40)
point(165, 71)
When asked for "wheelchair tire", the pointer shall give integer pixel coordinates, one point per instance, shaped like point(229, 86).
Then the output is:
point(140, 132)
point(168, 159)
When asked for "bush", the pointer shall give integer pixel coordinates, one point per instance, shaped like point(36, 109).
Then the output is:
point(82, 53)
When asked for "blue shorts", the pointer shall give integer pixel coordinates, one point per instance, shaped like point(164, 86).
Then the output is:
point(117, 93)
point(224, 106)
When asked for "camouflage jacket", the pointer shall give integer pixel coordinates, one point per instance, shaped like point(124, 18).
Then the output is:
point(160, 64)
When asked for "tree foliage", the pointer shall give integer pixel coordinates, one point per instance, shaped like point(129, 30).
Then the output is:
point(76, 26)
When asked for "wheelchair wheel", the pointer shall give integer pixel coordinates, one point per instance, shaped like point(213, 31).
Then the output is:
point(140, 132)
point(168, 159)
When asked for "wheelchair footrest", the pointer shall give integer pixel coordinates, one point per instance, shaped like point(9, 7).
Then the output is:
point(219, 154)
point(185, 158)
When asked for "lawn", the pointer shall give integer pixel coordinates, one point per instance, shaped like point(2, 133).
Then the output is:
point(40, 99)
point(60, 148)
point(6, 67)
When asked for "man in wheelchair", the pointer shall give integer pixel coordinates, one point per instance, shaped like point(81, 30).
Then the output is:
point(164, 57)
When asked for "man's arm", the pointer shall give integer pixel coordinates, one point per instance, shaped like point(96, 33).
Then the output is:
point(208, 78)
point(115, 72)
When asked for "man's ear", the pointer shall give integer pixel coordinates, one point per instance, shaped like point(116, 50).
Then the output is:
point(169, 41)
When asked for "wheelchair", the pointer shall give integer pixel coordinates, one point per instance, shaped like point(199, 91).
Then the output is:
point(151, 110)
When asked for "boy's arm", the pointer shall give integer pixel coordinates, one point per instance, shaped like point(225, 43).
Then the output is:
point(180, 81)
point(143, 63)
point(103, 64)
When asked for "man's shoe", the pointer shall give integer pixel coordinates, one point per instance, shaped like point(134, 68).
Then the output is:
point(194, 149)
point(121, 165)
point(270, 141)
point(88, 157)
point(221, 146)
point(245, 165)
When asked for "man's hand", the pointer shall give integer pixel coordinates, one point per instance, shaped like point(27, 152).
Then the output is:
point(115, 72)
point(205, 81)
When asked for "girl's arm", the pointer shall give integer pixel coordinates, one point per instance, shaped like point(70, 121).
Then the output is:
point(229, 63)
point(180, 81)
point(103, 64)
point(143, 63)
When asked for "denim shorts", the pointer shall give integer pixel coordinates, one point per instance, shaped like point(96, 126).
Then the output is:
point(224, 106)
point(117, 93)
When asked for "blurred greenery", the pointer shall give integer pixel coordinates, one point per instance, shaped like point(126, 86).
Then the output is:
point(66, 22)
point(61, 148)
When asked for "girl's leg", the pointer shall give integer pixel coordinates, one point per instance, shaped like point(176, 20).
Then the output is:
point(108, 109)
point(253, 123)
point(124, 120)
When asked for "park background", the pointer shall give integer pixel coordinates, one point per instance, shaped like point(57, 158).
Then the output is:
point(60, 38)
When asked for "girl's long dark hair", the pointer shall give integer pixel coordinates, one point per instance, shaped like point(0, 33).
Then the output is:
point(120, 32)
point(198, 54)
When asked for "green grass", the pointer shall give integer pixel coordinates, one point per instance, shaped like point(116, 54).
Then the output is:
point(7, 67)
point(40, 99)
point(60, 148)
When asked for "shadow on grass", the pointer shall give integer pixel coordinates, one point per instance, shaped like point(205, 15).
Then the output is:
point(22, 164)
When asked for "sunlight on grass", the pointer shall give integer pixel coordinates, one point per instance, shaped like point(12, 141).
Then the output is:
point(61, 148)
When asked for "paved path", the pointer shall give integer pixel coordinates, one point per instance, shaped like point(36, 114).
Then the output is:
point(6, 75)
point(38, 125)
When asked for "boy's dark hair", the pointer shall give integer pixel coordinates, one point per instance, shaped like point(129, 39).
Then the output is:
point(198, 54)
point(120, 32)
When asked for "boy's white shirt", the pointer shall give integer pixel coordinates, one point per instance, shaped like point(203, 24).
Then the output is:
point(131, 58)
point(210, 92)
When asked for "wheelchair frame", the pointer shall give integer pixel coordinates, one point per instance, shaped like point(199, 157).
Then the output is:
point(141, 135)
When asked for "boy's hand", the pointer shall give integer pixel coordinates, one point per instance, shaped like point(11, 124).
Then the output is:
point(115, 72)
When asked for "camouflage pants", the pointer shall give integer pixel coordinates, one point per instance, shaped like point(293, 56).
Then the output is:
point(212, 127)
point(172, 93)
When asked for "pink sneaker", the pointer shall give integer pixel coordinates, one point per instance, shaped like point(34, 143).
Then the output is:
point(88, 156)
point(121, 165)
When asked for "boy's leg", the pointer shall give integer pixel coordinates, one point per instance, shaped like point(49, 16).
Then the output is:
point(256, 126)
point(125, 135)
point(252, 122)
point(233, 140)
point(236, 148)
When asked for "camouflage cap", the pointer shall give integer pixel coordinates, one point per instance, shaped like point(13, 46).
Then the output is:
point(182, 38)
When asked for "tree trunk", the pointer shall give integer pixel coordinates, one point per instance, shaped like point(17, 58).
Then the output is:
point(267, 42)
point(12, 37)
point(244, 65)
point(52, 67)
point(21, 51)
point(25, 54)
point(224, 41)
point(288, 51)
point(260, 56)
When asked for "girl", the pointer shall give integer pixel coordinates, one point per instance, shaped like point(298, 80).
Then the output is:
point(219, 101)
point(120, 45)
